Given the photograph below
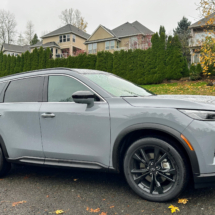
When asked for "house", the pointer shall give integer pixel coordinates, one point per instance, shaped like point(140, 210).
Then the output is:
point(65, 41)
point(14, 50)
point(199, 31)
point(126, 36)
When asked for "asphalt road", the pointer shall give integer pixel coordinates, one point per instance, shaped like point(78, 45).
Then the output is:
point(45, 190)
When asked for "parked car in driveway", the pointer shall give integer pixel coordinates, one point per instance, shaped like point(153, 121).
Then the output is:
point(96, 120)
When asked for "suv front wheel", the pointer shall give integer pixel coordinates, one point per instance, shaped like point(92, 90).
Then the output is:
point(155, 170)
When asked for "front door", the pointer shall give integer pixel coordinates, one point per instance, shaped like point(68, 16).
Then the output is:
point(71, 131)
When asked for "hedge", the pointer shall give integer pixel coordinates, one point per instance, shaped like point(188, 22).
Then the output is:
point(163, 61)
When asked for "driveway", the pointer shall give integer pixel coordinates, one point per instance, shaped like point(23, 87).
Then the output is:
point(40, 190)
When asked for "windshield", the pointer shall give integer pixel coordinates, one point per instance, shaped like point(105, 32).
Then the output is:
point(117, 86)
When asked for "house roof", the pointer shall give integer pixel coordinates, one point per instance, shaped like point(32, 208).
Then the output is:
point(15, 48)
point(128, 29)
point(203, 21)
point(68, 29)
point(125, 30)
point(49, 44)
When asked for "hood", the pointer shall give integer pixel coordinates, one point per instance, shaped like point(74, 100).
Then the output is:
point(174, 101)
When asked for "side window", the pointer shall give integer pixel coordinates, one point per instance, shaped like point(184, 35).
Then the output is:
point(25, 90)
point(61, 88)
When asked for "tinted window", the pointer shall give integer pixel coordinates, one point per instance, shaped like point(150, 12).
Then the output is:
point(61, 88)
point(25, 90)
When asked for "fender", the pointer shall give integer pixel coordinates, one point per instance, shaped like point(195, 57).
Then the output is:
point(3, 147)
point(158, 127)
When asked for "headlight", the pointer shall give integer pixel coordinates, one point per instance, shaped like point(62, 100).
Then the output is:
point(200, 115)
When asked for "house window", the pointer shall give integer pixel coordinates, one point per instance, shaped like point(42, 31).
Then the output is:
point(52, 50)
point(64, 38)
point(90, 48)
point(109, 45)
point(112, 44)
point(56, 50)
point(73, 38)
point(94, 48)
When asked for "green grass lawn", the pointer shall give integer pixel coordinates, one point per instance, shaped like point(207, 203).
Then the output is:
point(186, 88)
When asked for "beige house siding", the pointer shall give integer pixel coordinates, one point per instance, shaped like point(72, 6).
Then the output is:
point(100, 34)
point(124, 42)
point(101, 47)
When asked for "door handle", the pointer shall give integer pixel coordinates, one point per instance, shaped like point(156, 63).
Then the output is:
point(48, 115)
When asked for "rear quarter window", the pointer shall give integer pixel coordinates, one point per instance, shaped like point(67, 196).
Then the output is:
point(25, 90)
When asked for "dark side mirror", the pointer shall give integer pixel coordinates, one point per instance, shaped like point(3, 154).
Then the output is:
point(84, 97)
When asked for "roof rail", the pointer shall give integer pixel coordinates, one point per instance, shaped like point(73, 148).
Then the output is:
point(39, 70)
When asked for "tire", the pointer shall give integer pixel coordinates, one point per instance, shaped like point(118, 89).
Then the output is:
point(4, 165)
point(155, 170)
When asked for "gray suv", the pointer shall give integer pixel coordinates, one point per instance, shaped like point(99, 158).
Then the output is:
point(96, 120)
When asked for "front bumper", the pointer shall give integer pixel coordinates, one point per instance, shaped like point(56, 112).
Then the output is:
point(204, 180)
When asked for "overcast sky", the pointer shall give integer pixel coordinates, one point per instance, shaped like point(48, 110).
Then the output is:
point(111, 13)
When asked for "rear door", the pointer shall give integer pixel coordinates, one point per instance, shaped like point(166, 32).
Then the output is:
point(19, 120)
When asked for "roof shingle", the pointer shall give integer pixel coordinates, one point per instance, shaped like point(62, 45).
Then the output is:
point(16, 48)
point(68, 29)
point(203, 21)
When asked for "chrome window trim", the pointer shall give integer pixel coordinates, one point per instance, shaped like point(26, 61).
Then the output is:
point(54, 74)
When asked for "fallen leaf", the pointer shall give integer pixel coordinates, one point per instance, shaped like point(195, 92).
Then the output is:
point(103, 199)
point(93, 210)
point(75, 179)
point(183, 201)
point(173, 209)
point(47, 196)
point(59, 211)
point(111, 206)
point(17, 203)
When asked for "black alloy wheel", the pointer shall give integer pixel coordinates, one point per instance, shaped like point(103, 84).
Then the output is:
point(155, 170)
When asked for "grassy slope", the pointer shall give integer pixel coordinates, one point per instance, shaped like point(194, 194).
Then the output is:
point(188, 88)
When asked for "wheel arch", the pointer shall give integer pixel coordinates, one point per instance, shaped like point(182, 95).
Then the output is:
point(135, 132)
point(3, 147)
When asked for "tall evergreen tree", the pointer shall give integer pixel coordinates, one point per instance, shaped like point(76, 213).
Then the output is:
point(48, 55)
point(116, 63)
point(35, 40)
point(161, 59)
point(7, 71)
point(22, 61)
point(35, 59)
point(17, 68)
point(162, 30)
point(27, 61)
point(12, 65)
point(91, 61)
point(41, 58)
point(1, 62)
point(109, 60)
point(101, 61)
point(183, 33)
point(4, 65)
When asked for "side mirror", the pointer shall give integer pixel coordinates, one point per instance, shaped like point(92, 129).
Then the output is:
point(84, 97)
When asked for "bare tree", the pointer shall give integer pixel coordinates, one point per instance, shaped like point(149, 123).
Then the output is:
point(29, 33)
point(7, 27)
point(21, 40)
point(73, 17)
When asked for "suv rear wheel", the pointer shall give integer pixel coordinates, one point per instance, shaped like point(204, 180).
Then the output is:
point(4, 165)
point(155, 170)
